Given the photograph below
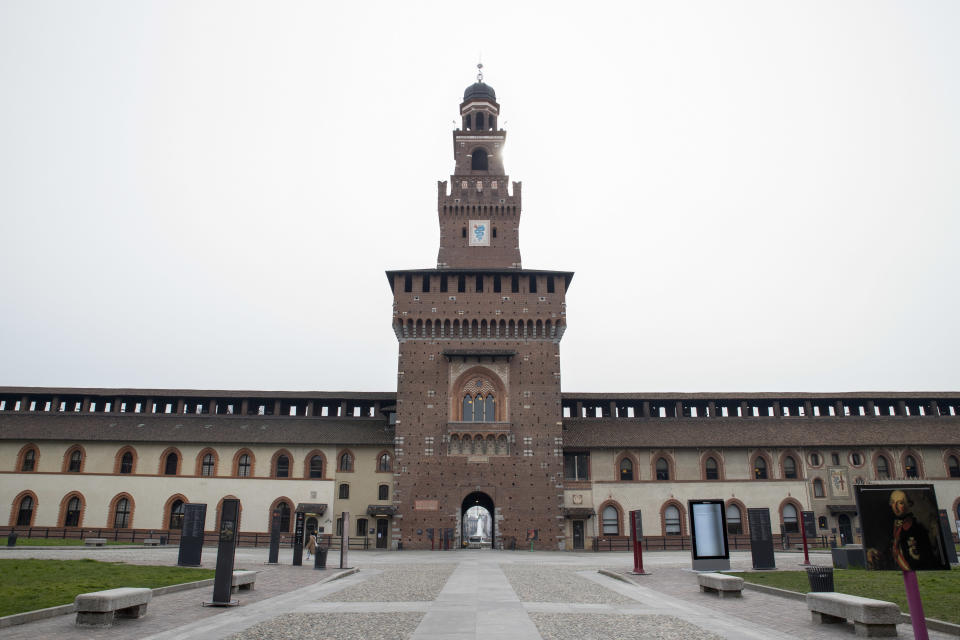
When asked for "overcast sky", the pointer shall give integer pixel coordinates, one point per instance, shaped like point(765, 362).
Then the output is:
point(755, 196)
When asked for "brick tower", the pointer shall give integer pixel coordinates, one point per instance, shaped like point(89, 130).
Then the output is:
point(478, 381)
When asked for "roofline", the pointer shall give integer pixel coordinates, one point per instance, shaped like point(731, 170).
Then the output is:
point(510, 271)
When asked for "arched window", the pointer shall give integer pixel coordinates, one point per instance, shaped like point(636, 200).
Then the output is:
point(626, 469)
point(490, 408)
point(243, 467)
point(789, 468)
point(170, 466)
point(953, 467)
point(883, 468)
point(316, 467)
point(346, 461)
point(468, 408)
point(121, 516)
point(176, 515)
point(759, 468)
point(711, 469)
point(283, 468)
point(790, 521)
point(207, 465)
point(734, 519)
point(126, 462)
point(76, 461)
point(71, 517)
point(25, 512)
point(478, 160)
point(479, 120)
point(910, 467)
point(611, 521)
point(818, 491)
point(384, 463)
point(478, 408)
point(671, 520)
point(383, 492)
point(29, 462)
point(663, 469)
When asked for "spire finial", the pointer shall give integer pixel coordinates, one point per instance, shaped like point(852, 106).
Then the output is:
point(479, 72)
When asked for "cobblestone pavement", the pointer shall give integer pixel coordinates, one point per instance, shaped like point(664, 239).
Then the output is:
point(458, 595)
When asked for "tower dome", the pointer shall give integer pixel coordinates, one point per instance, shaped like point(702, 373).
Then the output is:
point(479, 91)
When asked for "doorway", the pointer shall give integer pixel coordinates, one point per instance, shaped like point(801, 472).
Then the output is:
point(477, 527)
point(846, 531)
point(577, 534)
point(381, 533)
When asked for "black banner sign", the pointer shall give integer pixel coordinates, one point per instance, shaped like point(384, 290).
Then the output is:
point(298, 540)
point(191, 536)
point(761, 539)
point(227, 546)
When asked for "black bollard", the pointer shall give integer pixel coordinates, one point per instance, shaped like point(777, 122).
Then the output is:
point(12, 539)
point(320, 557)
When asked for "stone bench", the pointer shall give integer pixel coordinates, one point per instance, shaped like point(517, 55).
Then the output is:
point(871, 618)
point(151, 542)
point(720, 584)
point(94, 542)
point(99, 608)
point(243, 580)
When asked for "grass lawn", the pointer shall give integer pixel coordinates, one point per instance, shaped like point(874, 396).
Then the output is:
point(940, 590)
point(26, 585)
point(58, 542)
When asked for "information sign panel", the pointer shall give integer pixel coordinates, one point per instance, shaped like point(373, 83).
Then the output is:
point(191, 536)
point(809, 524)
point(226, 548)
point(761, 538)
point(708, 534)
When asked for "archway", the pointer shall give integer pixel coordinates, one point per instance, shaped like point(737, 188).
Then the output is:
point(477, 526)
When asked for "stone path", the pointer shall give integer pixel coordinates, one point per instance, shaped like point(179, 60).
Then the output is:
point(461, 595)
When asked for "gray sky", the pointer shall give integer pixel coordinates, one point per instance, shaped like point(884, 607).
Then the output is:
point(755, 196)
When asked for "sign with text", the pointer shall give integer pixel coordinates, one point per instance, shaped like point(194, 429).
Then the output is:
point(809, 523)
point(226, 549)
point(761, 538)
point(426, 505)
point(191, 536)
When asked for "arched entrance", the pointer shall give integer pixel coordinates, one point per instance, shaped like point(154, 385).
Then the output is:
point(477, 526)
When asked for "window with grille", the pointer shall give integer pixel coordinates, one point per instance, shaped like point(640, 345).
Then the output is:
point(243, 466)
point(121, 517)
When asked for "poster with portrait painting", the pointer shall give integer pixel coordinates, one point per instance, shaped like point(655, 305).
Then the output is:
point(901, 529)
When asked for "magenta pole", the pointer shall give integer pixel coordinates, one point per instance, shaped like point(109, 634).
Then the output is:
point(916, 605)
point(806, 553)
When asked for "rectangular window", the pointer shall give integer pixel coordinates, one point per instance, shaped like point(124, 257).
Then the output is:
point(533, 284)
point(426, 284)
point(344, 492)
point(514, 284)
point(407, 284)
point(496, 284)
point(550, 285)
point(443, 283)
point(576, 466)
point(461, 284)
point(479, 284)
point(361, 527)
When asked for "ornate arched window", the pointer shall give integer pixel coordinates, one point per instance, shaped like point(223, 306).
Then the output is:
point(671, 520)
point(121, 514)
point(384, 463)
point(789, 467)
point(283, 467)
point(663, 469)
point(207, 465)
point(71, 517)
point(759, 468)
point(611, 521)
point(25, 512)
point(346, 461)
point(626, 469)
point(910, 467)
point(791, 523)
point(176, 515)
point(171, 464)
point(883, 468)
point(711, 469)
point(734, 520)
point(953, 467)
point(316, 467)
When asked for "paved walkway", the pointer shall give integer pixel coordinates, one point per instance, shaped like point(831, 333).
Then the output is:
point(456, 595)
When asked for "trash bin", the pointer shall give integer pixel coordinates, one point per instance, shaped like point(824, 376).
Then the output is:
point(821, 579)
point(12, 539)
point(320, 558)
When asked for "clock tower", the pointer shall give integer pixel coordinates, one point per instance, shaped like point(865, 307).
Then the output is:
point(478, 440)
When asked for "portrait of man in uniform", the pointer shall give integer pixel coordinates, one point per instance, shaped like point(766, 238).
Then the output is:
point(901, 531)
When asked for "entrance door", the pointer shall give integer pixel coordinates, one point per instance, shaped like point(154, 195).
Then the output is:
point(846, 532)
point(381, 533)
point(578, 534)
